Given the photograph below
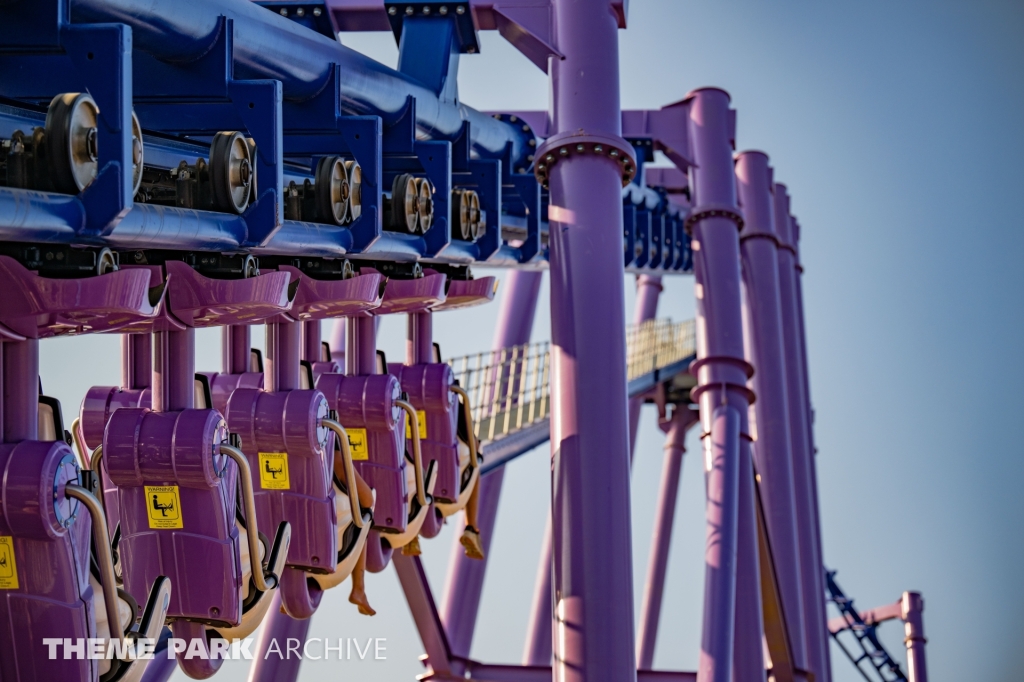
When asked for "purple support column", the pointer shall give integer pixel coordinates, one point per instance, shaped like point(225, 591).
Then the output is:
point(136, 360)
point(773, 450)
point(912, 606)
point(812, 449)
point(748, 646)
point(281, 365)
point(648, 290)
point(592, 580)
point(811, 568)
point(311, 341)
point(721, 369)
point(537, 649)
point(236, 348)
point(174, 366)
point(419, 341)
point(339, 332)
point(661, 540)
point(465, 582)
point(271, 667)
point(20, 390)
point(284, 344)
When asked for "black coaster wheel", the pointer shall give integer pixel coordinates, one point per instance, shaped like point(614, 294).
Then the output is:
point(71, 147)
point(254, 186)
point(355, 190)
point(405, 204)
point(231, 173)
point(424, 204)
point(332, 190)
point(138, 154)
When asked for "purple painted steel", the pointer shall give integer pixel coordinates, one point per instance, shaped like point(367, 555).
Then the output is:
point(136, 360)
point(174, 368)
point(748, 646)
point(465, 581)
point(773, 449)
point(720, 367)
point(311, 341)
point(811, 567)
point(661, 540)
point(339, 333)
point(648, 290)
point(813, 450)
point(281, 364)
point(419, 341)
point(537, 648)
point(235, 348)
point(913, 624)
point(593, 581)
point(21, 390)
point(277, 626)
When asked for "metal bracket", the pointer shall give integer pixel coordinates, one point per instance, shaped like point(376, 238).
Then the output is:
point(44, 54)
point(201, 98)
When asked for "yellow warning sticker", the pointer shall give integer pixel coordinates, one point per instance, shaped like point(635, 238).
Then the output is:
point(357, 443)
point(274, 471)
point(8, 566)
point(163, 505)
point(421, 423)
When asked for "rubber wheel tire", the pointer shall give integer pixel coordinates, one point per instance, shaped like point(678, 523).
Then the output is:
point(58, 140)
point(220, 172)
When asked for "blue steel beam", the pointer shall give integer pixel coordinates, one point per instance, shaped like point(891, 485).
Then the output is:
point(266, 45)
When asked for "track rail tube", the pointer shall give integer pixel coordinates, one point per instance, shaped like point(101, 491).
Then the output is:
point(267, 45)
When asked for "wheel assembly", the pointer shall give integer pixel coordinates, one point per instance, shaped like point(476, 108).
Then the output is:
point(332, 190)
point(231, 173)
point(71, 132)
point(404, 205)
point(424, 204)
point(355, 190)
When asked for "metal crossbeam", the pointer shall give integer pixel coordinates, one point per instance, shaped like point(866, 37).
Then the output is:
point(865, 637)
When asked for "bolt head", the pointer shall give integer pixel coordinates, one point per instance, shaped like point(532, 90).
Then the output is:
point(549, 158)
point(579, 147)
point(614, 153)
point(443, 10)
point(598, 148)
point(563, 152)
point(408, 11)
point(426, 9)
point(300, 12)
point(392, 11)
point(529, 157)
point(284, 11)
point(317, 11)
point(460, 10)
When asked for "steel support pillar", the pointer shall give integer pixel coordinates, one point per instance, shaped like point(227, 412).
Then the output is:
point(759, 247)
point(284, 350)
point(648, 290)
point(592, 579)
point(465, 581)
point(279, 627)
point(339, 332)
point(311, 341)
point(236, 348)
point(912, 607)
point(136, 360)
point(661, 540)
point(537, 649)
point(722, 374)
point(20, 390)
point(805, 485)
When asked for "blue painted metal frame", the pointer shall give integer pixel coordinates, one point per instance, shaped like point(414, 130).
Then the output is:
point(201, 98)
point(42, 55)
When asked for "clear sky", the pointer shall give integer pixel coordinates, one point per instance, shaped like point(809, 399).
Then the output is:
point(898, 129)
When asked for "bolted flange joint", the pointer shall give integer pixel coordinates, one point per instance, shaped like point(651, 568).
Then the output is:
point(565, 146)
point(699, 213)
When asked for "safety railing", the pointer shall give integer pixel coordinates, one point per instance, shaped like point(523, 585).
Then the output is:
point(510, 388)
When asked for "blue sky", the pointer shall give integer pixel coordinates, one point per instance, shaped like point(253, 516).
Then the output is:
point(898, 129)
